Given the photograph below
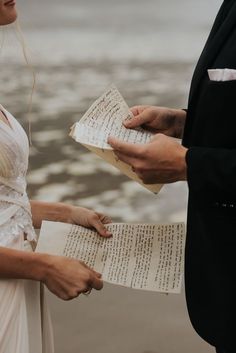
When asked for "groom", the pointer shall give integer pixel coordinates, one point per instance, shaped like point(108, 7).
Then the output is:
point(207, 160)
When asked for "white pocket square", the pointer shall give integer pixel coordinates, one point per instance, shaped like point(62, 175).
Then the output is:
point(222, 74)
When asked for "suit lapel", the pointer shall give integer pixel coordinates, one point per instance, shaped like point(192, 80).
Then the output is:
point(224, 24)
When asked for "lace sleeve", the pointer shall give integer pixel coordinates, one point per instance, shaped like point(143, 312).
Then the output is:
point(14, 220)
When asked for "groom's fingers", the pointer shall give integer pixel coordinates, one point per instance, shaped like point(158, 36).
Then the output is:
point(125, 149)
point(138, 109)
point(135, 110)
point(138, 120)
point(124, 158)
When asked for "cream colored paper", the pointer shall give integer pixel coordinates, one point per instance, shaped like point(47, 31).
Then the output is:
point(141, 256)
point(103, 119)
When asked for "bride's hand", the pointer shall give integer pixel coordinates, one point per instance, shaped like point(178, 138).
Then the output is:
point(90, 219)
point(67, 278)
point(62, 212)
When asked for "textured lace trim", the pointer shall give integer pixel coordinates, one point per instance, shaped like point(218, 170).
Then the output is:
point(20, 223)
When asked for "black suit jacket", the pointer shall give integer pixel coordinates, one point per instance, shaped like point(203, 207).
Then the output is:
point(210, 135)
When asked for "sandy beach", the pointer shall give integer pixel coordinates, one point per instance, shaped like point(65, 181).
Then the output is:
point(78, 49)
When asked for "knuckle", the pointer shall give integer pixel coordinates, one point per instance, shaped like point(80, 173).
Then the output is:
point(149, 154)
point(83, 269)
point(73, 293)
point(66, 297)
point(87, 277)
point(140, 150)
point(94, 217)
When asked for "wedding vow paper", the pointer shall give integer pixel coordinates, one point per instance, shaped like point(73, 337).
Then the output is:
point(141, 256)
point(103, 119)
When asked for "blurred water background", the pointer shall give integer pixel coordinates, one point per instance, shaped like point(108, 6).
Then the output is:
point(78, 48)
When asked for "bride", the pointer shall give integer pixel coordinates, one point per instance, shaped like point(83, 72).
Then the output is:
point(25, 325)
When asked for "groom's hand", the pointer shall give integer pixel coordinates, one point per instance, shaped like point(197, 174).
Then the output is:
point(160, 161)
point(163, 120)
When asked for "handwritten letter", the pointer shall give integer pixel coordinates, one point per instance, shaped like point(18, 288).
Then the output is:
point(141, 256)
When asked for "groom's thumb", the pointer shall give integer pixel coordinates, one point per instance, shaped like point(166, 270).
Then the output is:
point(137, 120)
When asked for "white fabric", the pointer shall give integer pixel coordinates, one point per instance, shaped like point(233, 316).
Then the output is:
point(15, 213)
point(25, 325)
point(222, 74)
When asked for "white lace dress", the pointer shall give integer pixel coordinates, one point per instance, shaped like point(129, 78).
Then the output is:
point(25, 325)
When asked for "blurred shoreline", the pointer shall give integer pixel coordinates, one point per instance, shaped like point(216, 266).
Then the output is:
point(62, 170)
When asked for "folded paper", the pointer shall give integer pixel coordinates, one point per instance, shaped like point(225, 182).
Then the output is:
point(103, 119)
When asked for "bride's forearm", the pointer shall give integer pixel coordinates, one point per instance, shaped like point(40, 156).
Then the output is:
point(50, 211)
point(60, 212)
point(19, 264)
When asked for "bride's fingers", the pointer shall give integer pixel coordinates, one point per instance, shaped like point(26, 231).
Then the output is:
point(99, 226)
point(98, 274)
point(103, 218)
